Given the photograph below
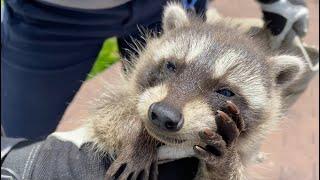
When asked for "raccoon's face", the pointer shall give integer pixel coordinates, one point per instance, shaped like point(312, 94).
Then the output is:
point(187, 74)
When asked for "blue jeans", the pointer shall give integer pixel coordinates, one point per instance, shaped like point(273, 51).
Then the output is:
point(48, 51)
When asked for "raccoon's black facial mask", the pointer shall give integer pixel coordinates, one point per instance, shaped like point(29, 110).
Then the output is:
point(159, 73)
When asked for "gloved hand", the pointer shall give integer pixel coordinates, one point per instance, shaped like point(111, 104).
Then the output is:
point(70, 158)
point(283, 16)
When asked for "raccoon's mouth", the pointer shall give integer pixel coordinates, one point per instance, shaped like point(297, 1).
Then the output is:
point(161, 137)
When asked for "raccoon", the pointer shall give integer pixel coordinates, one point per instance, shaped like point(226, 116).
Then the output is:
point(202, 89)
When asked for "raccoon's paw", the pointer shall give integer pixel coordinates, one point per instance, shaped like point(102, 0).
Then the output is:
point(219, 146)
point(127, 168)
point(230, 123)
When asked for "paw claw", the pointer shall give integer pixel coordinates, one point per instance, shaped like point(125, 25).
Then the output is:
point(200, 150)
point(233, 108)
point(132, 169)
point(227, 128)
point(125, 176)
point(223, 116)
point(235, 114)
point(115, 171)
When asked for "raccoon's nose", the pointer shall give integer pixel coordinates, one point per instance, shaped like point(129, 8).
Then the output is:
point(165, 117)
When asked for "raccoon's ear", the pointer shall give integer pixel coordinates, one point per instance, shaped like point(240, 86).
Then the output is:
point(174, 16)
point(286, 69)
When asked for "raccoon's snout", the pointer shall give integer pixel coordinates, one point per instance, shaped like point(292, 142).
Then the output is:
point(165, 117)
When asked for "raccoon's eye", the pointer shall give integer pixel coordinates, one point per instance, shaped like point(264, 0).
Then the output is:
point(225, 92)
point(170, 66)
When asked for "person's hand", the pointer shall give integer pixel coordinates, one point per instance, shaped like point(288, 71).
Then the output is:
point(282, 16)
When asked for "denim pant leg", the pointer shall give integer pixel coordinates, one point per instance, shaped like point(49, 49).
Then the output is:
point(45, 56)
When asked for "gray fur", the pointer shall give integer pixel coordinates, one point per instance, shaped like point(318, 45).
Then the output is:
point(208, 56)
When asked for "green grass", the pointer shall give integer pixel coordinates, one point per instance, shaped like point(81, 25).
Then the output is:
point(108, 55)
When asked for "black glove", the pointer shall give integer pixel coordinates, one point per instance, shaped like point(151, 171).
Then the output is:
point(53, 158)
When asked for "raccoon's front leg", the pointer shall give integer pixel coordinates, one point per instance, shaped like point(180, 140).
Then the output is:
point(136, 160)
point(220, 159)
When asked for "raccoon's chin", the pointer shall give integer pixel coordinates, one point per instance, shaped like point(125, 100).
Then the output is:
point(168, 140)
